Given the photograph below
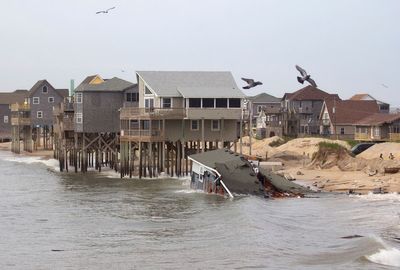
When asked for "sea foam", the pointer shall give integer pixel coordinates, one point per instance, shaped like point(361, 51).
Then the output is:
point(51, 163)
point(386, 256)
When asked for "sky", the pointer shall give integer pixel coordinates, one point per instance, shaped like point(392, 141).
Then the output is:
point(348, 46)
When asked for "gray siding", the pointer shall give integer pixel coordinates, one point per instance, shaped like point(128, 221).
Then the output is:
point(5, 128)
point(44, 105)
point(173, 131)
point(100, 111)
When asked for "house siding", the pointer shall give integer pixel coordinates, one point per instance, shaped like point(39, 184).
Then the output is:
point(100, 111)
point(173, 131)
point(44, 105)
point(5, 128)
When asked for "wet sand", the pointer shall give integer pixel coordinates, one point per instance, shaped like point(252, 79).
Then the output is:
point(45, 154)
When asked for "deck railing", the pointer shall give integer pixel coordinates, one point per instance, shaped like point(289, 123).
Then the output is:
point(394, 136)
point(19, 121)
point(20, 107)
point(153, 113)
point(361, 137)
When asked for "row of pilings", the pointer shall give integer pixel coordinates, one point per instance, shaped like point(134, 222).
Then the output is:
point(80, 151)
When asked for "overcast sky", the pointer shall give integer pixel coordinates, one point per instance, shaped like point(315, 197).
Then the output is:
point(347, 46)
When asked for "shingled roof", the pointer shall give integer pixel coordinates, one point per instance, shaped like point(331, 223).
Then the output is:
point(190, 84)
point(378, 119)
point(18, 96)
point(366, 97)
point(348, 112)
point(264, 98)
point(310, 93)
point(62, 92)
point(112, 85)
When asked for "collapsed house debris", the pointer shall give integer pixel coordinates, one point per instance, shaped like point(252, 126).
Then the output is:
point(227, 173)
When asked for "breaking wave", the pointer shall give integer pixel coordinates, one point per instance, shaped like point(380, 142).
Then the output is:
point(53, 164)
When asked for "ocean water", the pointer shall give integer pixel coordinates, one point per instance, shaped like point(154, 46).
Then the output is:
point(53, 220)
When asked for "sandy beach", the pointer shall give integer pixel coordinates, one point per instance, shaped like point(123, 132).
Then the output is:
point(362, 174)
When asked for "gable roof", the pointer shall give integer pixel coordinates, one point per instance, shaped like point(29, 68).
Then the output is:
point(112, 85)
point(207, 84)
point(62, 92)
point(378, 119)
point(350, 111)
point(310, 93)
point(17, 96)
point(366, 97)
point(264, 98)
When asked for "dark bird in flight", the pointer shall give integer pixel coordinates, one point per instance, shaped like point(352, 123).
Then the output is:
point(104, 11)
point(305, 77)
point(250, 83)
point(384, 85)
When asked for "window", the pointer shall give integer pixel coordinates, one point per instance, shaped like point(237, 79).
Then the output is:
point(132, 97)
point(376, 133)
point(221, 103)
point(145, 124)
point(234, 103)
point(44, 89)
point(39, 114)
point(342, 131)
point(166, 103)
point(6, 119)
point(149, 103)
point(208, 103)
point(78, 117)
point(215, 125)
point(194, 125)
point(194, 102)
point(36, 100)
point(134, 124)
point(259, 108)
point(51, 99)
point(147, 91)
point(78, 97)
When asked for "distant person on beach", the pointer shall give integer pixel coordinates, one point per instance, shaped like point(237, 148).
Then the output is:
point(391, 156)
point(381, 156)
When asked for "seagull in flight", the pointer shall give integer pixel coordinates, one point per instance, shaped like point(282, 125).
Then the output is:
point(384, 85)
point(250, 83)
point(104, 11)
point(305, 77)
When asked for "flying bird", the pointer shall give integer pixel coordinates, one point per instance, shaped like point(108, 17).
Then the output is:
point(305, 77)
point(250, 83)
point(104, 11)
point(384, 85)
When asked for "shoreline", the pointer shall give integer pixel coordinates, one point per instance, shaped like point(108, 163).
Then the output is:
point(328, 180)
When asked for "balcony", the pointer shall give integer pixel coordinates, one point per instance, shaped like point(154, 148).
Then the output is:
point(16, 107)
point(152, 113)
point(394, 136)
point(142, 135)
point(20, 121)
point(362, 137)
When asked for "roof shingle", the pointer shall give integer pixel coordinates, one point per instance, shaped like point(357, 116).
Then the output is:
point(184, 83)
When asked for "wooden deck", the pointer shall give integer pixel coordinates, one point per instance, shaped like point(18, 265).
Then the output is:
point(152, 113)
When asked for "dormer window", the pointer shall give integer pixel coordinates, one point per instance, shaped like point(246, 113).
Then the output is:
point(45, 90)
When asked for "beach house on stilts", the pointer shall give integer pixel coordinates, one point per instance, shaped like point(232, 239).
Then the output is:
point(179, 113)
